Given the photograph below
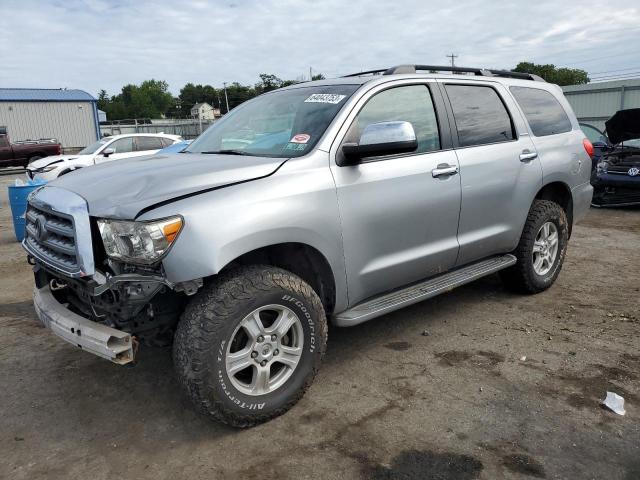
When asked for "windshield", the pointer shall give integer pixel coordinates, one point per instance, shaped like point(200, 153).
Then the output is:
point(284, 123)
point(93, 148)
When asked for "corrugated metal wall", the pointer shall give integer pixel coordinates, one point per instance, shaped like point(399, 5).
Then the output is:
point(72, 123)
point(594, 103)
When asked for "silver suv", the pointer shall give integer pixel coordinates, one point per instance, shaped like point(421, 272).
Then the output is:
point(337, 200)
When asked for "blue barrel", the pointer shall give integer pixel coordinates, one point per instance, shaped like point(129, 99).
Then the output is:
point(18, 200)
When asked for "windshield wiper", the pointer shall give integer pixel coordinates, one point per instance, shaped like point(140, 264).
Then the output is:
point(226, 152)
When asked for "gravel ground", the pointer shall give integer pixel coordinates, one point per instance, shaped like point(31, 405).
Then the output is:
point(439, 390)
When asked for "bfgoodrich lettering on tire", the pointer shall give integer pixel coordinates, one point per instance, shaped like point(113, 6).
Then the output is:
point(249, 344)
point(541, 250)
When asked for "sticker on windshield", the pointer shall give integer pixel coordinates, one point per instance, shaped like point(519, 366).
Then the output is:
point(300, 138)
point(296, 147)
point(325, 98)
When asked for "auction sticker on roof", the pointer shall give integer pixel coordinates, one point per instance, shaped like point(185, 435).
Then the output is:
point(300, 138)
point(324, 98)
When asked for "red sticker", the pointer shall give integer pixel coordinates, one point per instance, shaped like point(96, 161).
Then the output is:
point(300, 138)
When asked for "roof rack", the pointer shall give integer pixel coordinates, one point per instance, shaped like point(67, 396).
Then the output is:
point(439, 68)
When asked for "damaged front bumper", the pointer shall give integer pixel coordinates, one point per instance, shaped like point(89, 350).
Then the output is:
point(101, 340)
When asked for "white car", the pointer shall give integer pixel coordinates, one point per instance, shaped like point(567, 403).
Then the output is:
point(106, 149)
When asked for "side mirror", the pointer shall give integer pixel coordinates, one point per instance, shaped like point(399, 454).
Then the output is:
point(108, 151)
point(384, 138)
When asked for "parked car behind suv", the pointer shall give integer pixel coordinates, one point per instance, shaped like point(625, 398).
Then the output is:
point(344, 200)
point(106, 149)
point(616, 176)
point(20, 154)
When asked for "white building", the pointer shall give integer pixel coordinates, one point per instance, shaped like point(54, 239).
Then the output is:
point(70, 116)
point(203, 111)
point(594, 103)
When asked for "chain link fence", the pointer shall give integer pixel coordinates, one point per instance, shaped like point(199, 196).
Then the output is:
point(187, 129)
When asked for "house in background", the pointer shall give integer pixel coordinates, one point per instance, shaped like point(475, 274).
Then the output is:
point(203, 111)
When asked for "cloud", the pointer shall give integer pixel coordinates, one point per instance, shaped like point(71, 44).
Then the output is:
point(95, 44)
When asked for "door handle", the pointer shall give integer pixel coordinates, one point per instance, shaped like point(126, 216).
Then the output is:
point(527, 156)
point(444, 169)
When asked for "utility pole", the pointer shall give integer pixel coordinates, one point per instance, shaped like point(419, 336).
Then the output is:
point(452, 57)
point(225, 95)
point(310, 74)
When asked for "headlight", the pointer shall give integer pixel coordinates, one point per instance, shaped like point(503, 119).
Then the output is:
point(48, 168)
point(139, 242)
point(602, 167)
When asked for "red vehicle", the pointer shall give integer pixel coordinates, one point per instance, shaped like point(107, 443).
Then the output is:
point(20, 154)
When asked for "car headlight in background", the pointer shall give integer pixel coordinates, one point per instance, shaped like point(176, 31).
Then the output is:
point(602, 167)
point(139, 242)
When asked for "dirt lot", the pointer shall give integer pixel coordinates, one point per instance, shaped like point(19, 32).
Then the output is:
point(456, 403)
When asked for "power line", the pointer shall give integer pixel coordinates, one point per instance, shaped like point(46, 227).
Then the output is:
point(612, 71)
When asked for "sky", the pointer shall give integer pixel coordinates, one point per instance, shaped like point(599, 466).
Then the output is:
point(100, 44)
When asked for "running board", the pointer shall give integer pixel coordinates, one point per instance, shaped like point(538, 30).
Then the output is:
point(388, 302)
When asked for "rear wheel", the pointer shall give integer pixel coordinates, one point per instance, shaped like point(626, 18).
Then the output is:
point(248, 345)
point(541, 250)
point(34, 158)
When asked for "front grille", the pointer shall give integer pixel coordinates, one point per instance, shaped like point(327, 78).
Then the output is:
point(620, 169)
point(51, 237)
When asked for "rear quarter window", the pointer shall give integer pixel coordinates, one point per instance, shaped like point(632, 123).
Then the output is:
point(543, 111)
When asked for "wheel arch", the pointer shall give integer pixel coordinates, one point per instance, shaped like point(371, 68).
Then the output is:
point(560, 193)
point(301, 259)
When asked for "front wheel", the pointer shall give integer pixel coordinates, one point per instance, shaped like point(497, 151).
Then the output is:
point(541, 251)
point(249, 344)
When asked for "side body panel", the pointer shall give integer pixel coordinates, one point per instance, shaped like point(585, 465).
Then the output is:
point(564, 159)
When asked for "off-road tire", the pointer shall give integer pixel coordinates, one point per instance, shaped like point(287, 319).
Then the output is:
point(207, 325)
point(522, 277)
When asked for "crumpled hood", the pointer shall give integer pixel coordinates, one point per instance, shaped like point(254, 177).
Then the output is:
point(624, 125)
point(121, 189)
point(43, 162)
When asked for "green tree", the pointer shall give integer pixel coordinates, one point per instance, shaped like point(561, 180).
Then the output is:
point(318, 76)
point(150, 99)
point(552, 74)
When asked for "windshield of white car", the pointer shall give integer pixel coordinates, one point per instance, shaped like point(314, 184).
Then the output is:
point(283, 123)
point(93, 148)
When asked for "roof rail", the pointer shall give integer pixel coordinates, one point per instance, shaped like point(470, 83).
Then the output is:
point(439, 68)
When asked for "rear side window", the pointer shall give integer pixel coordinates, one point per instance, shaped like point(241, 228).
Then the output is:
point(166, 142)
point(544, 113)
point(480, 115)
point(410, 103)
point(148, 143)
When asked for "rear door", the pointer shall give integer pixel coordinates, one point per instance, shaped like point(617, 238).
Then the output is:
point(500, 173)
point(399, 221)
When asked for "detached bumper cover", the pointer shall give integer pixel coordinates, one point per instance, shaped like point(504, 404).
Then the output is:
point(103, 341)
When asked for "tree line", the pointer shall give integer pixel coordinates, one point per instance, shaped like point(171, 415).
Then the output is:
point(152, 99)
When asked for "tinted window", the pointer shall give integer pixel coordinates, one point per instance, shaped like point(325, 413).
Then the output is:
point(480, 115)
point(166, 142)
point(122, 145)
point(148, 143)
point(3, 141)
point(544, 113)
point(409, 104)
